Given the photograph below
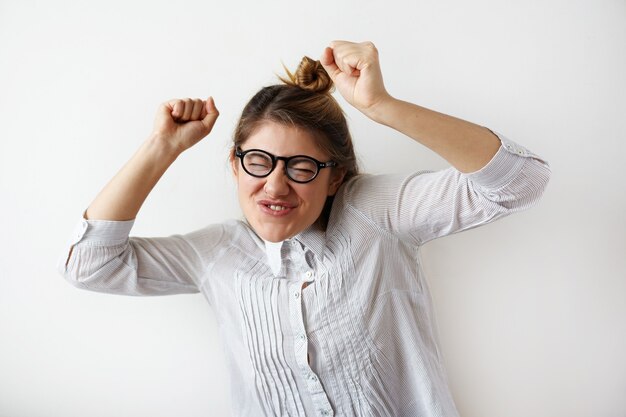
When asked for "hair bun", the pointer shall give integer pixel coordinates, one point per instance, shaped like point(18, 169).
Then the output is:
point(310, 76)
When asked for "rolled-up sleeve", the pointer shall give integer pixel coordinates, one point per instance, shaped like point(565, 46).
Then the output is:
point(427, 205)
point(101, 256)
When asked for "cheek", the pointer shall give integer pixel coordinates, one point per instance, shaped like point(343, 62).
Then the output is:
point(248, 184)
point(316, 196)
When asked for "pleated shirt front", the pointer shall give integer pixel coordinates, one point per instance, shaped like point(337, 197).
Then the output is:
point(328, 323)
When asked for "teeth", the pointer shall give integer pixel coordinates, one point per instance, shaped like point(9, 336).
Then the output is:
point(277, 208)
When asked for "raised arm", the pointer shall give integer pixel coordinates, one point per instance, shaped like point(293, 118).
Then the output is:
point(179, 124)
point(491, 176)
point(355, 70)
point(102, 257)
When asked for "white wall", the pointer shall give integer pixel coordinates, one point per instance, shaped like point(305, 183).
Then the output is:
point(79, 85)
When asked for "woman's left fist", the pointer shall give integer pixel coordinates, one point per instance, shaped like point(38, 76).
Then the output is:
point(355, 71)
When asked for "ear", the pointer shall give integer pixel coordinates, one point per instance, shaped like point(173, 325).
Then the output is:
point(234, 164)
point(336, 180)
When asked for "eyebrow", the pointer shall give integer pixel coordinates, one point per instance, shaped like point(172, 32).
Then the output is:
point(283, 156)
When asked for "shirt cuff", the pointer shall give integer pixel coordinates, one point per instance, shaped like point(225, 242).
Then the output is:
point(505, 165)
point(102, 232)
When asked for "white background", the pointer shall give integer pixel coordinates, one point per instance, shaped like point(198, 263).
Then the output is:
point(531, 309)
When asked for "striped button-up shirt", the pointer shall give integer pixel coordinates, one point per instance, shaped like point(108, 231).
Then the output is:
point(328, 323)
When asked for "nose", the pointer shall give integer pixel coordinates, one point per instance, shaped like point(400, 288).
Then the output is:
point(277, 183)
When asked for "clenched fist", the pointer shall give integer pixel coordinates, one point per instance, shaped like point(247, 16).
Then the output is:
point(180, 124)
point(355, 70)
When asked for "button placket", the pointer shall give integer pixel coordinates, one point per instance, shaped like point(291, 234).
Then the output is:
point(304, 272)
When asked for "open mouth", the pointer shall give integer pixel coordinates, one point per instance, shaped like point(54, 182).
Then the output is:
point(276, 208)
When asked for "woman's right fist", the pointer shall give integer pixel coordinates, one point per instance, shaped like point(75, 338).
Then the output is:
point(180, 124)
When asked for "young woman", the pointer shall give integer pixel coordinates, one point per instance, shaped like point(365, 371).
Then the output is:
point(319, 293)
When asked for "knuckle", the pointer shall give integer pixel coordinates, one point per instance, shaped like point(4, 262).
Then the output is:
point(371, 48)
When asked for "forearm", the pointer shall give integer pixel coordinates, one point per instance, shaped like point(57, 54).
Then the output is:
point(465, 145)
point(124, 195)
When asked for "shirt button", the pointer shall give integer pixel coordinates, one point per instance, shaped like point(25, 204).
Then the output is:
point(309, 274)
point(325, 412)
point(296, 294)
point(313, 378)
point(302, 336)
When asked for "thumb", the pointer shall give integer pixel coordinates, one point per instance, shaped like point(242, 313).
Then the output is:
point(211, 114)
point(328, 62)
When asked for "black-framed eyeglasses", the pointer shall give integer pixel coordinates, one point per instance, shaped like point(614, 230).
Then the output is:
point(298, 168)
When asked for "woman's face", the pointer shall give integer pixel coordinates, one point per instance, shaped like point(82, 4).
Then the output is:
point(276, 207)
